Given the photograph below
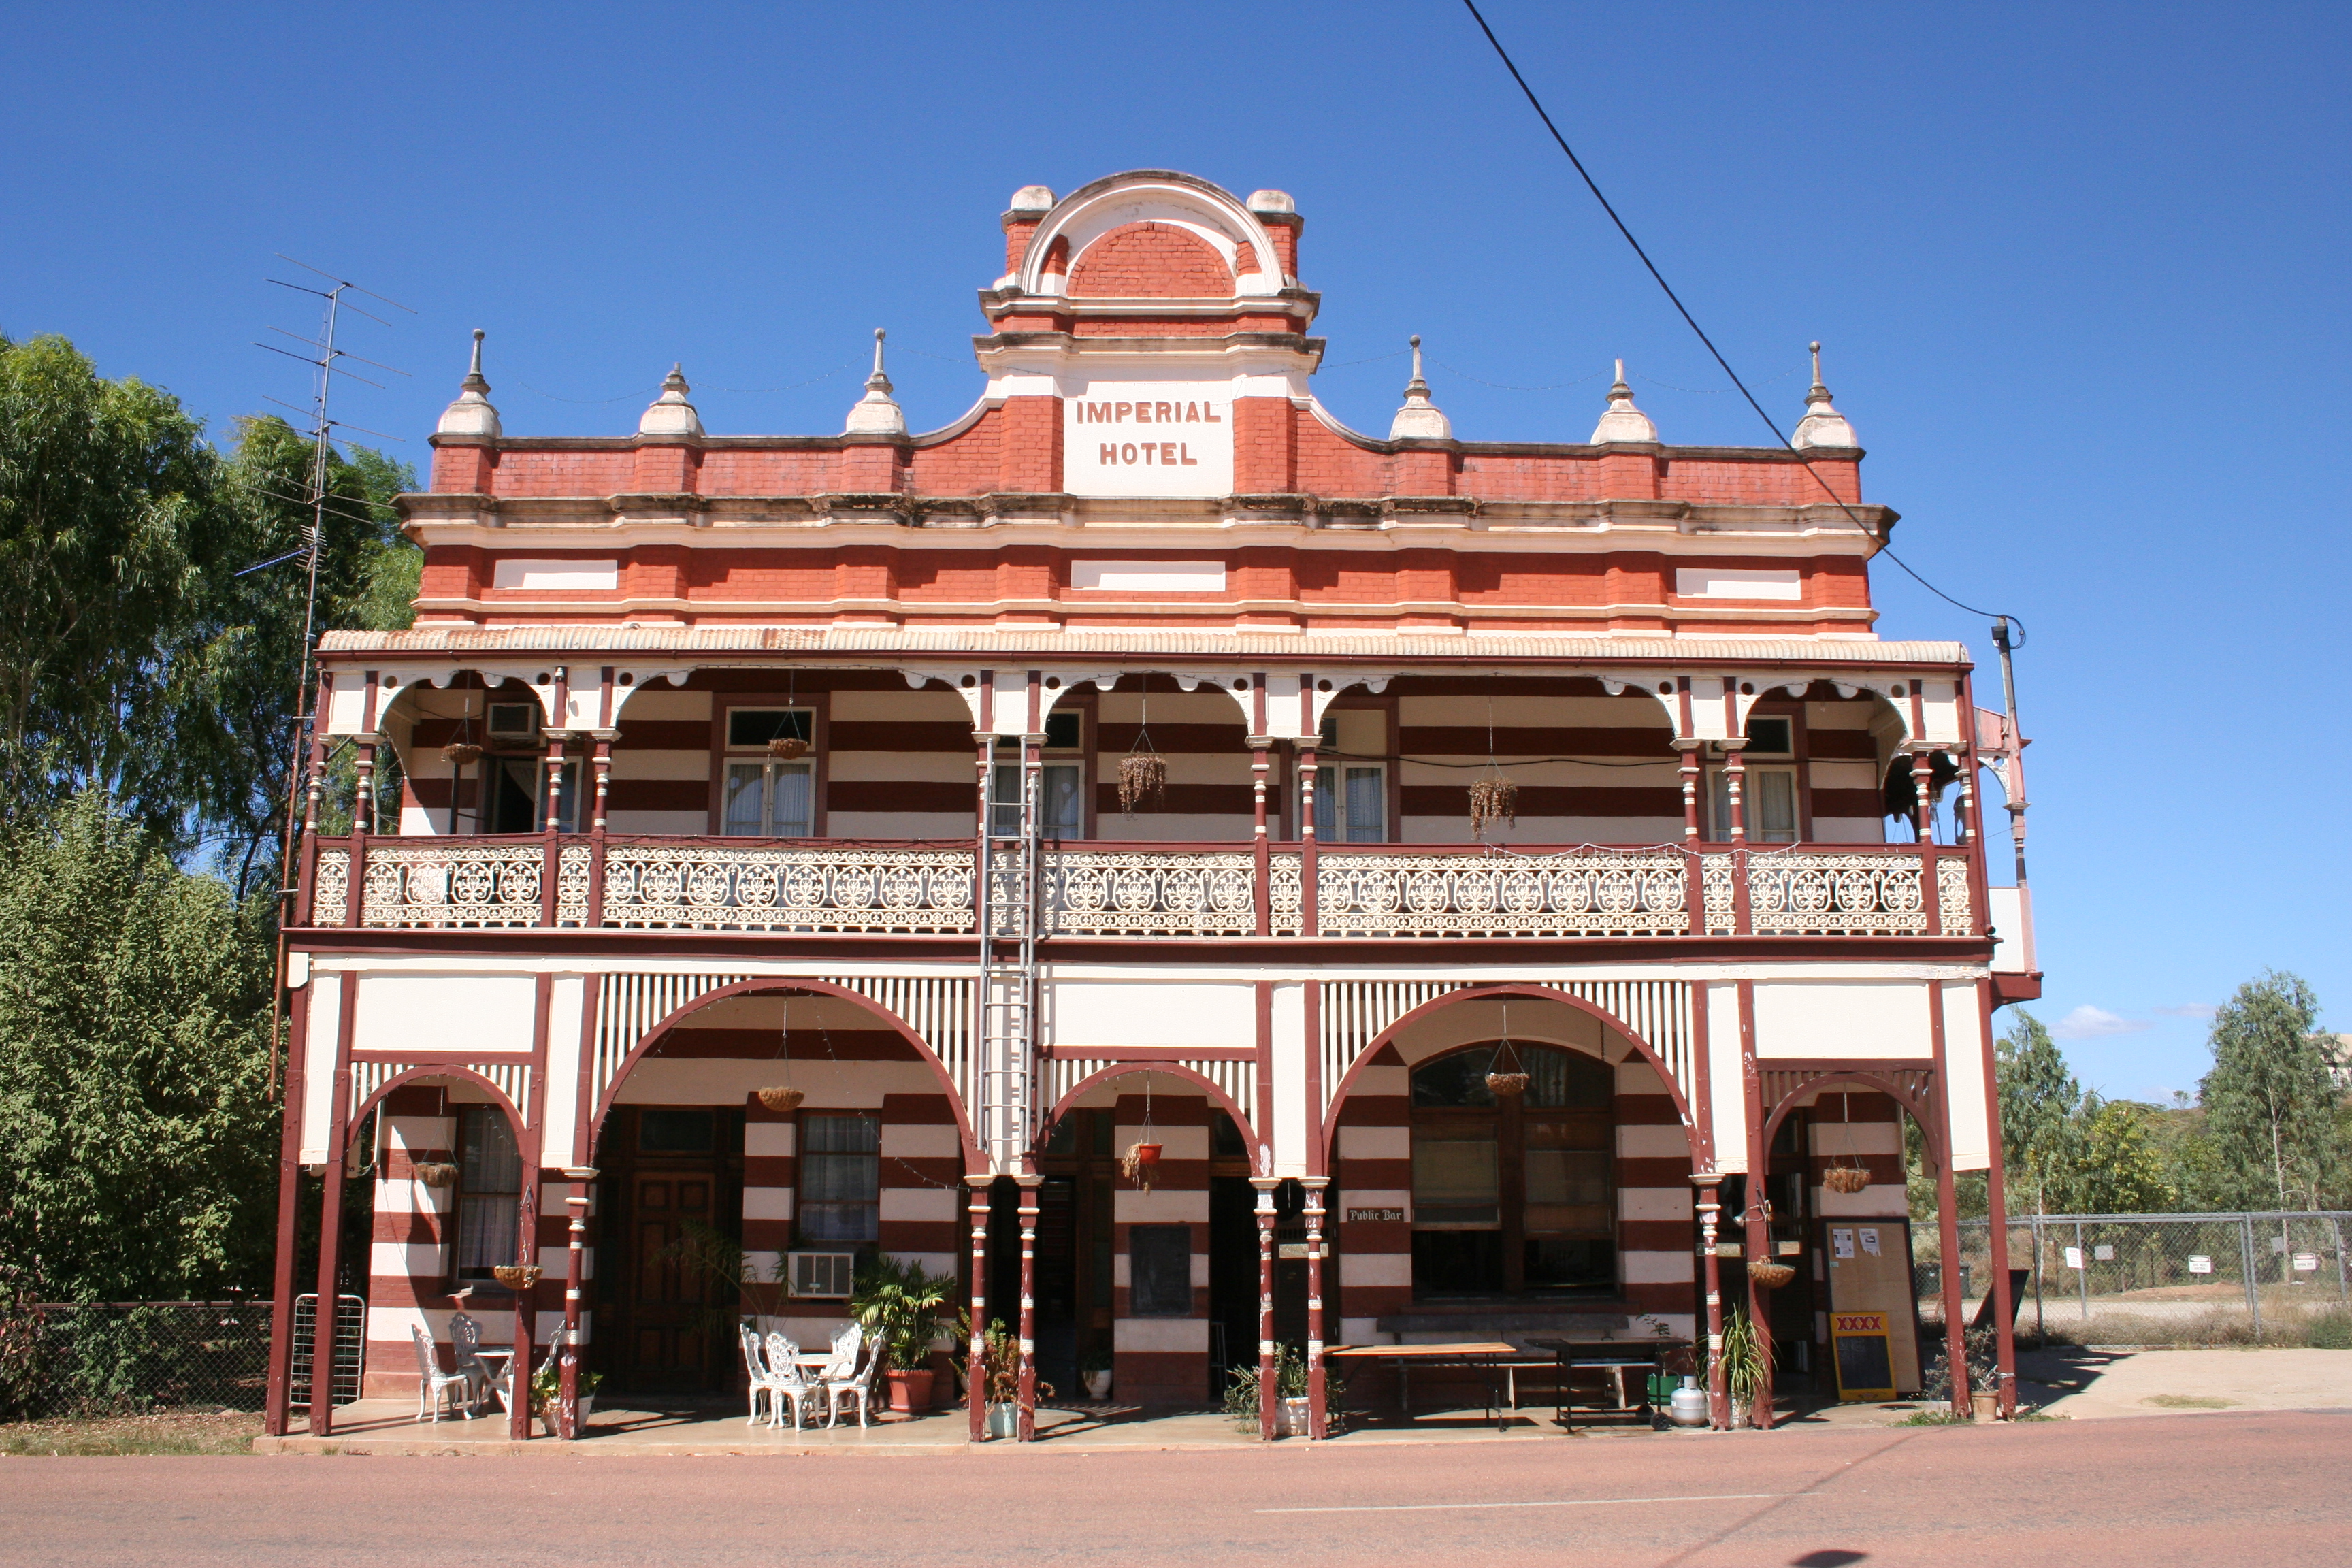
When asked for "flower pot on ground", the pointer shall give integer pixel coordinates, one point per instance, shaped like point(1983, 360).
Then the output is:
point(1099, 1385)
point(1094, 1371)
point(910, 1389)
point(1004, 1419)
point(1291, 1419)
point(1985, 1405)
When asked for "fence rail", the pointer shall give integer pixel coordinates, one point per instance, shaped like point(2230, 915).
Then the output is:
point(2239, 1277)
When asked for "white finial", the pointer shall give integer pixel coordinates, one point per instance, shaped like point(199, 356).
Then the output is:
point(1822, 425)
point(671, 413)
point(471, 413)
point(1419, 420)
point(1621, 421)
point(876, 413)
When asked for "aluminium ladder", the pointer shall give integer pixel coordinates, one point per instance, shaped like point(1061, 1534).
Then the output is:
point(1007, 922)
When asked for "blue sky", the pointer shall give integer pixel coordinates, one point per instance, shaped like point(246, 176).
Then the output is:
point(2079, 271)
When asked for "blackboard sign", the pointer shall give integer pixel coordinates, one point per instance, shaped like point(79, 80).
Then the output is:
point(1159, 1271)
point(1865, 1366)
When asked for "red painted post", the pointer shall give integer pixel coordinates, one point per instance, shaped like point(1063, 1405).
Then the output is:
point(278, 1397)
point(1997, 1213)
point(1270, 1393)
point(1311, 876)
point(330, 1224)
point(1734, 790)
point(1318, 1423)
point(1693, 867)
point(526, 1254)
point(976, 1351)
point(576, 1202)
point(1026, 1425)
point(1719, 1403)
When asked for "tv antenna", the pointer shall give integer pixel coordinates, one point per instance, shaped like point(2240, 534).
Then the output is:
point(326, 359)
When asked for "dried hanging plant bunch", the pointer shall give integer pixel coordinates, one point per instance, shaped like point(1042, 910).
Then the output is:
point(1770, 1275)
point(1503, 1085)
point(463, 753)
point(1507, 1075)
point(1136, 1164)
point(1493, 799)
point(788, 748)
point(516, 1277)
point(1846, 1178)
point(783, 1098)
point(1142, 779)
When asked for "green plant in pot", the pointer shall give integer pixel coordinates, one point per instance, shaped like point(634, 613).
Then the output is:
point(901, 1304)
point(1290, 1384)
point(547, 1388)
point(1747, 1367)
point(1094, 1371)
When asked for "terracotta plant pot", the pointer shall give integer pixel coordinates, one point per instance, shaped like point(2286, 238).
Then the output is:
point(910, 1392)
point(1985, 1405)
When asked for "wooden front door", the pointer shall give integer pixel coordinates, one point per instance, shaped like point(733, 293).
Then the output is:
point(668, 1344)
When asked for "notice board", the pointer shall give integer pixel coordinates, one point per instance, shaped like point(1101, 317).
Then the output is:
point(1159, 1271)
point(1873, 1315)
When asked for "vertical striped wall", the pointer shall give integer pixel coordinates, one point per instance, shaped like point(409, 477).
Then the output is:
point(1162, 1360)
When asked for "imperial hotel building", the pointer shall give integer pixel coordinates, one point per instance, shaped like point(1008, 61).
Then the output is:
point(860, 842)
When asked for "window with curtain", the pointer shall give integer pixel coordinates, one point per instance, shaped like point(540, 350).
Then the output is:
point(840, 1177)
point(489, 1186)
point(1356, 812)
point(764, 796)
point(1770, 798)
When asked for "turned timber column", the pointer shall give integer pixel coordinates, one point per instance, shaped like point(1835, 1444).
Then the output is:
point(600, 764)
point(1735, 792)
point(1710, 1205)
point(1261, 769)
point(1268, 1391)
point(976, 1351)
point(567, 1419)
point(1310, 919)
point(364, 787)
point(518, 1370)
point(1026, 1428)
point(1694, 870)
point(1317, 1426)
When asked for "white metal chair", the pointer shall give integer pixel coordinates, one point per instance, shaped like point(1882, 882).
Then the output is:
point(432, 1381)
point(860, 1386)
point(787, 1383)
point(760, 1380)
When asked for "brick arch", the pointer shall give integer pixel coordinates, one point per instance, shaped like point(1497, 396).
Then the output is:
point(767, 985)
point(1608, 1020)
point(1189, 1076)
point(1150, 261)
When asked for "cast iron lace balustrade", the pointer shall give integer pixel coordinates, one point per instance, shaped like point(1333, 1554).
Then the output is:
point(1800, 893)
point(715, 887)
point(452, 882)
point(1952, 895)
point(330, 888)
point(1150, 892)
point(1576, 893)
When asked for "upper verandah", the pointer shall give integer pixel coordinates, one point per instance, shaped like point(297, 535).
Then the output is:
point(1149, 342)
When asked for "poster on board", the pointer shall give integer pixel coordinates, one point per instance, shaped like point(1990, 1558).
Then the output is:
point(1875, 1355)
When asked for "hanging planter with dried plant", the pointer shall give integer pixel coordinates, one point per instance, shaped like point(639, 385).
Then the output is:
point(788, 748)
point(1772, 1276)
point(461, 754)
point(1847, 1175)
point(782, 1098)
point(1138, 1163)
point(517, 1277)
point(1144, 771)
point(1494, 798)
point(437, 1174)
point(1506, 1076)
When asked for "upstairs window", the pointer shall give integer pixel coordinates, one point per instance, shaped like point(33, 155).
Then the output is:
point(1770, 797)
point(765, 795)
point(1061, 782)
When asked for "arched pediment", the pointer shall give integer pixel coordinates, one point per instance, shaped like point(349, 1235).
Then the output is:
point(1139, 202)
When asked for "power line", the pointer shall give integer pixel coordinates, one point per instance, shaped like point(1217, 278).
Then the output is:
point(1691, 322)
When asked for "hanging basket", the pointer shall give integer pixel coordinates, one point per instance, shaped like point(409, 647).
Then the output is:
point(461, 754)
point(788, 748)
point(434, 1173)
point(1846, 1178)
point(1507, 1085)
point(516, 1277)
point(1493, 799)
point(1138, 1163)
point(1142, 779)
point(782, 1098)
point(1769, 1274)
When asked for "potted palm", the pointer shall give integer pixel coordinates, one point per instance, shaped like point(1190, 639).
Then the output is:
point(900, 1303)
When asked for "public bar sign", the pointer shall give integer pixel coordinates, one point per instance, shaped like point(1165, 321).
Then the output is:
point(1149, 438)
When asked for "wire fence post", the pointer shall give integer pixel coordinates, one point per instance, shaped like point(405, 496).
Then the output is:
point(2253, 1296)
point(2082, 1271)
point(2336, 1228)
point(2041, 1331)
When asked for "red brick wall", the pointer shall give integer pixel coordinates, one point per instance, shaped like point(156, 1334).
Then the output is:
point(1150, 261)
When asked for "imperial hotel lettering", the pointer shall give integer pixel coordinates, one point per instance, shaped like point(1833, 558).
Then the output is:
point(1163, 454)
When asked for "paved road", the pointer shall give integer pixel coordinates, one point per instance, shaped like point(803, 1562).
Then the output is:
point(2264, 1487)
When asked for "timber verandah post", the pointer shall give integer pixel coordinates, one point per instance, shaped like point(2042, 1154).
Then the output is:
point(575, 1202)
point(976, 1348)
point(1269, 1392)
point(1025, 1424)
point(331, 1220)
point(1317, 1416)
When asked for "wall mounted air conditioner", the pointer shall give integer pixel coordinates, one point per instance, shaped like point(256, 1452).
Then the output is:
point(821, 1274)
point(514, 721)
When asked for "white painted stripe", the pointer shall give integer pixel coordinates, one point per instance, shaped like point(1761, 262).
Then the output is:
point(1559, 1502)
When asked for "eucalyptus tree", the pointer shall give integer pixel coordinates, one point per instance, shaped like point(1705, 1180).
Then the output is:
point(2272, 1110)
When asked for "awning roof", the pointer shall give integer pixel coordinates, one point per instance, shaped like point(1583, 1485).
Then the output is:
point(720, 644)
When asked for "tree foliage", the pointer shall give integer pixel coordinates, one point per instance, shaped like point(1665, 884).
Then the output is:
point(136, 1145)
point(2271, 1106)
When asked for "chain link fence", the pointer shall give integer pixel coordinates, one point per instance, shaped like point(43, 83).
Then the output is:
point(2159, 1279)
point(109, 1357)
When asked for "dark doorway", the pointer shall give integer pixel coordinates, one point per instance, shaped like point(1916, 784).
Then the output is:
point(673, 1174)
point(1076, 1229)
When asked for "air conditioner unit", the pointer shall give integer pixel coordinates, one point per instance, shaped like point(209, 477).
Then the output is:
point(821, 1274)
point(514, 721)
